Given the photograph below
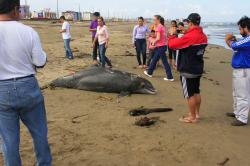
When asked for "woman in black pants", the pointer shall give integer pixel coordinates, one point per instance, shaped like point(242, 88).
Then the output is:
point(139, 40)
point(171, 52)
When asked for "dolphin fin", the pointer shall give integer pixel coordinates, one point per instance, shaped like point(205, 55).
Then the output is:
point(124, 94)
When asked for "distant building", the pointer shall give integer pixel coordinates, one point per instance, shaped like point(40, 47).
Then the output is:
point(71, 15)
point(117, 19)
point(43, 14)
point(24, 11)
point(49, 15)
point(87, 16)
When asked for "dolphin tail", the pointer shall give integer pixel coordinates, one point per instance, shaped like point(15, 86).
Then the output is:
point(47, 86)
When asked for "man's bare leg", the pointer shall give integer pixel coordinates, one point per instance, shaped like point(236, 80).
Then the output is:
point(198, 105)
point(192, 111)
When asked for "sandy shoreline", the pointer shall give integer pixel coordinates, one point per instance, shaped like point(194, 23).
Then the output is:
point(104, 134)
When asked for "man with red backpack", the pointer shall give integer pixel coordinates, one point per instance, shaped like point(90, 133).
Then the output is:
point(190, 63)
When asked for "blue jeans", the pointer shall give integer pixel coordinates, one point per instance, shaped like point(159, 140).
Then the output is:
point(22, 100)
point(69, 53)
point(104, 58)
point(160, 53)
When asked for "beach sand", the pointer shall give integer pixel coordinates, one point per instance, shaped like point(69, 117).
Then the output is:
point(105, 135)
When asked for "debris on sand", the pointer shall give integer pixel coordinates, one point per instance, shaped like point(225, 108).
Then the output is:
point(54, 22)
point(143, 122)
point(127, 53)
point(225, 62)
point(74, 119)
point(145, 111)
point(105, 98)
point(81, 55)
point(75, 50)
point(224, 162)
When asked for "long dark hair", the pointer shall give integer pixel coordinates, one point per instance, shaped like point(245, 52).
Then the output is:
point(161, 19)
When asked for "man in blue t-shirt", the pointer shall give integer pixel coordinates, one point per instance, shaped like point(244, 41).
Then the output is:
point(241, 72)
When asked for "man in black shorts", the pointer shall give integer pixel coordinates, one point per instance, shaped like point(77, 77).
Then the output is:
point(190, 63)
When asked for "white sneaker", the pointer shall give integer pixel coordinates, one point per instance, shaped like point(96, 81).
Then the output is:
point(146, 73)
point(166, 79)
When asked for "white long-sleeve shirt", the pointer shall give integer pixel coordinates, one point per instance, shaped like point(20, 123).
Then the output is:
point(20, 50)
point(140, 32)
point(102, 34)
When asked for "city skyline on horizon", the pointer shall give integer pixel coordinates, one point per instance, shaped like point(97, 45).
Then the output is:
point(224, 11)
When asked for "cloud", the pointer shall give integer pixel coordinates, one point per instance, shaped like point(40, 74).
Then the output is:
point(150, 13)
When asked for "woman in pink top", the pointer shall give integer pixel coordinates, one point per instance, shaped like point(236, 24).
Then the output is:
point(102, 36)
point(160, 50)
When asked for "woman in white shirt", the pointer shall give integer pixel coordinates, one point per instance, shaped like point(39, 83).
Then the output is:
point(103, 38)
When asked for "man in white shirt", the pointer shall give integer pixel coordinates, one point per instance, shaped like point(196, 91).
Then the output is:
point(65, 31)
point(20, 96)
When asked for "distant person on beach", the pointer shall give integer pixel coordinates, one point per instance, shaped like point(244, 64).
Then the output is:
point(153, 27)
point(180, 32)
point(102, 36)
point(65, 31)
point(171, 52)
point(181, 29)
point(20, 95)
point(151, 47)
point(191, 48)
point(241, 72)
point(160, 44)
point(139, 41)
point(93, 28)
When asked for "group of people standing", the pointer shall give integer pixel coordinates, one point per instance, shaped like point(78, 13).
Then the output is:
point(186, 50)
point(186, 47)
point(100, 39)
point(153, 42)
point(156, 45)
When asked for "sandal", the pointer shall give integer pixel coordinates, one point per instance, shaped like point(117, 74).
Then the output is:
point(187, 120)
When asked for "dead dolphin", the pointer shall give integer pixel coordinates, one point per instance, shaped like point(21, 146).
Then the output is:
point(99, 79)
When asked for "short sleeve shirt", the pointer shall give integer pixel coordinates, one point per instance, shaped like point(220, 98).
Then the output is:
point(66, 35)
point(163, 37)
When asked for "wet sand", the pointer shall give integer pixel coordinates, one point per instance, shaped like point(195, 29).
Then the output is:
point(93, 129)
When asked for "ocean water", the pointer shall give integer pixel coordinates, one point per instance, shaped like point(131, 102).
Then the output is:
point(216, 32)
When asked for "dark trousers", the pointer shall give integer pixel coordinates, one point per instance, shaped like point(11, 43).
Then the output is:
point(104, 58)
point(171, 54)
point(160, 53)
point(141, 49)
point(150, 56)
point(96, 51)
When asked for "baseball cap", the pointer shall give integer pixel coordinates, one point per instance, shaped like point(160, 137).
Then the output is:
point(194, 18)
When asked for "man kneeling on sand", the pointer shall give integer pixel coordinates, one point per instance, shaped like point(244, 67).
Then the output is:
point(241, 73)
point(190, 63)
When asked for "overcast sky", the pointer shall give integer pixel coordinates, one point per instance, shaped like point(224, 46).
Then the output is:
point(210, 10)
